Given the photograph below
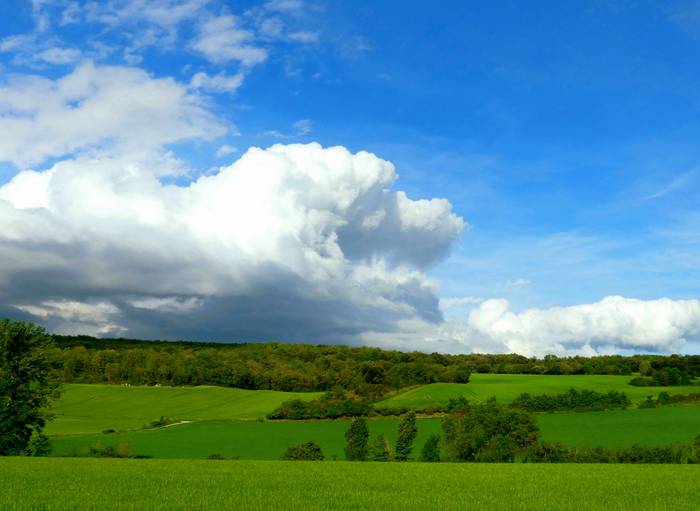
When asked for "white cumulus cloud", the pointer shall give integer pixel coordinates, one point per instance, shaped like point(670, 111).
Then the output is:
point(293, 242)
point(97, 107)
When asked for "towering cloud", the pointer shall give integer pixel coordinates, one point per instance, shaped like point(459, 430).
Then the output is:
point(292, 242)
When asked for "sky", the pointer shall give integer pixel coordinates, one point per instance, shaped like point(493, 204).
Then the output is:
point(454, 177)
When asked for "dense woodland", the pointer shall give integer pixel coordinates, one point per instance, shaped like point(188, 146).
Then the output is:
point(369, 372)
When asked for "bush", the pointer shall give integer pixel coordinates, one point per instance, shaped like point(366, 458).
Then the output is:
point(642, 382)
point(100, 450)
point(431, 449)
point(308, 451)
point(216, 456)
point(379, 450)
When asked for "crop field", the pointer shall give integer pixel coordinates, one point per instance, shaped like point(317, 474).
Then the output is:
point(268, 440)
point(54, 484)
point(506, 387)
point(95, 408)
point(247, 440)
point(622, 428)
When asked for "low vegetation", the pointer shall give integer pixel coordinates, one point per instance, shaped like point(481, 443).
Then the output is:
point(572, 401)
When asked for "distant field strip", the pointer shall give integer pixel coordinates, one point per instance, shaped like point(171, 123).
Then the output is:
point(246, 440)
point(94, 408)
point(622, 428)
point(53, 484)
point(506, 387)
point(267, 440)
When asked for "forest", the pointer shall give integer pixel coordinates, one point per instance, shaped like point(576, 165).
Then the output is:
point(368, 372)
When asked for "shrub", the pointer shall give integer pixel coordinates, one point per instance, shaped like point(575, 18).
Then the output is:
point(431, 449)
point(379, 450)
point(100, 450)
point(216, 456)
point(308, 451)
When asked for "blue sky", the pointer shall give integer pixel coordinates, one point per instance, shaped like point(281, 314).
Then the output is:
point(564, 134)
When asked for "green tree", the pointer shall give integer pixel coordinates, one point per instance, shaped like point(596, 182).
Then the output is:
point(431, 449)
point(309, 451)
point(356, 440)
point(25, 391)
point(379, 450)
point(489, 432)
point(406, 435)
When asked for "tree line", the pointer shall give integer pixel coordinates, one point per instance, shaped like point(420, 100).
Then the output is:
point(369, 372)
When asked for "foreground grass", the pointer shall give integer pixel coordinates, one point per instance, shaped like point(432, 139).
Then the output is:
point(91, 484)
point(95, 408)
point(506, 387)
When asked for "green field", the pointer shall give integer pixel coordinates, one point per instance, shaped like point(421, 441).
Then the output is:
point(267, 440)
point(247, 440)
point(53, 484)
point(622, 428)
point(506, 387)
point(95, 408)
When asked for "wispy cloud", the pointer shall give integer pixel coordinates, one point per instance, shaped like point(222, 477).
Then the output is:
point(301, 127)
point(676, 184)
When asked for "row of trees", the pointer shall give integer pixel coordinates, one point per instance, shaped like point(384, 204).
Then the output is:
point(296, 367)
point(572, 401)
point(358, 446)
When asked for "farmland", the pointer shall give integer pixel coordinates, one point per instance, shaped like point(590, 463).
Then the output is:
point(267, 440)
point(86, 484)
point(224, 420)
point(94, 408)
point(506, 387)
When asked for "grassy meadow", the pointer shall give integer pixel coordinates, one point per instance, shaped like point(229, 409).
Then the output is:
point(623, 428)
point(95, 408)
point(506, 387)
point(55, 484)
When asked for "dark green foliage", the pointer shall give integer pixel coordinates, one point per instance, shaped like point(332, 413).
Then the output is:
point(356, 438)
point(489, 432)
point(696, 449)
point(159, 423)
point(573, 400)
point(665, 399)
point(431, 449)
point(216, 456)
point(332, 405)
point(25, 389)
point(308, 451)
point(379, 449)
point(641, 381)
point(369, 372)
point(664, 377)
point(406, 435)
point(99, 450)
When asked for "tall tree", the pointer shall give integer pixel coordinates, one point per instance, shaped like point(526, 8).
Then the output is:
point(356, 440)
point(406, 435)
point(25, 390)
